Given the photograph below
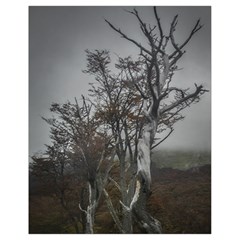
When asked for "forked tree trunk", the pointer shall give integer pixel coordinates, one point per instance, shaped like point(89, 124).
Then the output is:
point(126, 215)
point(89, 213)
point(144, 219)
point(95, 190)
point(137, 206)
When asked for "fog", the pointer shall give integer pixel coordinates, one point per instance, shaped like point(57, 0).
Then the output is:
point(58, 37)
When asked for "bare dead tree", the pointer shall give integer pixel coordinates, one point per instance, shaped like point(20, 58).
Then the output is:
point(152, 76)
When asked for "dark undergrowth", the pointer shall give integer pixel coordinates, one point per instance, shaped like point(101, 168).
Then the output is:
point(181, 200)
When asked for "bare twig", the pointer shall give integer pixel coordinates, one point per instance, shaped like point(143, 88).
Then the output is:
point(195, 29)
point(159, 26)
point(162, 140)
point(129, 39)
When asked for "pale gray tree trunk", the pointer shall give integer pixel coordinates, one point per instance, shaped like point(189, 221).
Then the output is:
point(91, 208)
point(136, 201)
point(126, 215)
point(145, 220)
point(95, 189)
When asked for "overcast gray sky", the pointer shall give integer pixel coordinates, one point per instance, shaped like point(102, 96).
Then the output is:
point(60, 35)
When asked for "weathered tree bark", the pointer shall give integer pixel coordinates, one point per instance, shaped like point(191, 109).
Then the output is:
point(90, 211)
point(126, 215)
point(148, 223)
point(137, 196)
point(95, 189)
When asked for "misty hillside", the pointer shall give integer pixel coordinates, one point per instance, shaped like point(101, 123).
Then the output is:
point(180, 159)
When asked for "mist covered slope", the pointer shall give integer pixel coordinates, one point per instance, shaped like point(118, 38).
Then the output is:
point(181, 159)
